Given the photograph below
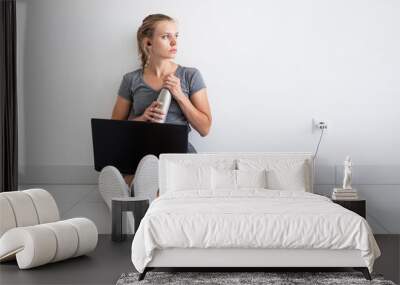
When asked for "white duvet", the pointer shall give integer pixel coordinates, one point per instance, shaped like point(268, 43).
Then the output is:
point(251, 218)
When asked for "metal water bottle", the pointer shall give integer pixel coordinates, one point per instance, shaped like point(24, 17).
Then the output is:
point(165, 99)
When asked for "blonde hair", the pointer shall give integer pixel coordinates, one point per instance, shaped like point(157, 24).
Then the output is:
point(146, 30)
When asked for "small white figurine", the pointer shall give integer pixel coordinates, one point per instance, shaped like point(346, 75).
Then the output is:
point(347, 173)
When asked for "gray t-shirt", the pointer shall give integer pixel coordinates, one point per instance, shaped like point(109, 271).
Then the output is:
point(142, 95)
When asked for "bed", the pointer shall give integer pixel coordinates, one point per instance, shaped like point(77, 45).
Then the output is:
point(243, 210)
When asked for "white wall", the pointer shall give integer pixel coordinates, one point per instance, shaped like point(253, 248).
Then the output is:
point(270, 67)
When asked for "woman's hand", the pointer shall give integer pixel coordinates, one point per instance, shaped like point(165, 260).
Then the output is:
point(173, 84)
point(153, 113)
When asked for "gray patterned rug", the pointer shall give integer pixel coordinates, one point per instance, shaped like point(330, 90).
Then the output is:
point(229, 278)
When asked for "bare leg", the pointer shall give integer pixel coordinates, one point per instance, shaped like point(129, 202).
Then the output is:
point(128, 179)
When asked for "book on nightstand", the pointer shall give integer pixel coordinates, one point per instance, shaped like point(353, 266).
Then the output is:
point(344, 194)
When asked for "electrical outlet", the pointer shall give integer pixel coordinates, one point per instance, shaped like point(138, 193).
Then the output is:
point(321, 125)
point(318, 125)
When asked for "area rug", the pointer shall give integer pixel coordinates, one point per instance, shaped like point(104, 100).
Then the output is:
point(269, 278)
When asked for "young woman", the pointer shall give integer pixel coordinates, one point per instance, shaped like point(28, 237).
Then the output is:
point(157, 40)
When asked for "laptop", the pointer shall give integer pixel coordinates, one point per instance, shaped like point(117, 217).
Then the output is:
point(123, 144)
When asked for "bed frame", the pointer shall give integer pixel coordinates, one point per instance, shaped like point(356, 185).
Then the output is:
point(244, 259)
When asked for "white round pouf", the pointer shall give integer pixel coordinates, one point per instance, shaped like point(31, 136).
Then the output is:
point(87, 233)
point(23, 208)
point(7, 216)
point(32, 246)
point(31, 233)
point(45, 205)
point(67, 239)
point(40, 244)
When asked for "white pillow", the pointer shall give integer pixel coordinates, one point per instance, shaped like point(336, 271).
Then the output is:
point(282, 174)
point(193, 174)
point(188, 177)
point(219, 163)
point(251, 178)
point(223, 179)
point(228, 179)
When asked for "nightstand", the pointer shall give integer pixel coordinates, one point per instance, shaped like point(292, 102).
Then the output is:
point(138, 206)
point(357, 206)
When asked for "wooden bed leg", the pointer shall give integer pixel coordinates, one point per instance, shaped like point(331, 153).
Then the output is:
point(364, 271)
point(142, 275)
